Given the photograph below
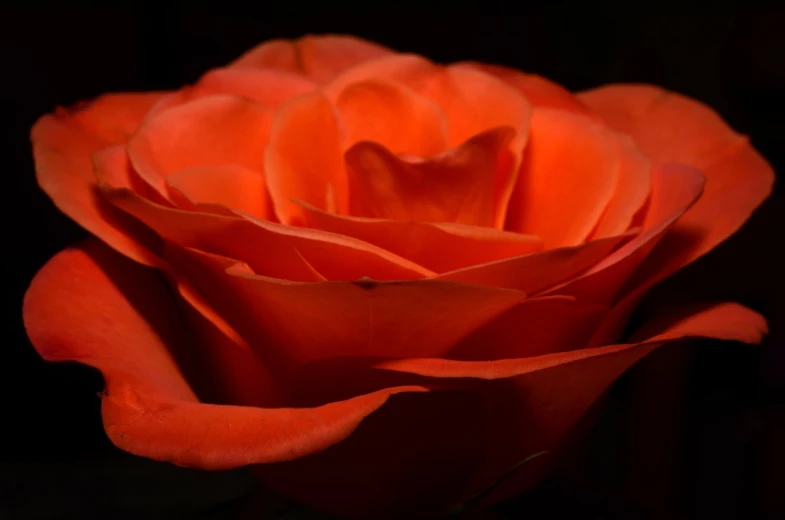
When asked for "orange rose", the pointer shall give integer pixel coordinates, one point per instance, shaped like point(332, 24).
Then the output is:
point(386, 281)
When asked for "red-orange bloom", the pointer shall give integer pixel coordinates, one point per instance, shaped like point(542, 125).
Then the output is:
point(389, 280)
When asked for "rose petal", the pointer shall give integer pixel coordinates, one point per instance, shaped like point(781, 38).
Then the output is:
point(414, 456)
point(319, 57)
point(540, 91)
point(269, 88)
point(458, 186)
point(62, 146)
point(527, 405)
point(305, 322)
point(674, 190)
point(472, 101)
point(234, 373)
point(235, 187)
point(211, 131)
point(75, 310)
point(298, 252)
point(90, 305)
point(669, 127)
point(393, 116)
point(475, 102)
point(275, 54)
point(439, 247)
point(567, 178)
point(113, 118)
point(534, 327)
point(538, 399)
point(631, 192)
point(304, 158)
point(410, 70)
point(537, 271)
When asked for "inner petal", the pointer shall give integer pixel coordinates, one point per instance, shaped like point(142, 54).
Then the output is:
point(392, 115)
point(567, 179)
point(475, 102)
point(232, 186)
point(436, 246)
point(458, 186)
point(214, 130)
point(303, 159)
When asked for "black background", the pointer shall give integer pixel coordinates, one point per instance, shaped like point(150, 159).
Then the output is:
point(691, 432)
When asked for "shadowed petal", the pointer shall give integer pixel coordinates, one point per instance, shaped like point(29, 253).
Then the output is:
point(90, 305)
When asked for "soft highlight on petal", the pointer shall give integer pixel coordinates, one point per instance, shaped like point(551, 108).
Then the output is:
point(475, 102)
point(393, 116)
point(567, 179)
point(233, 186)
point(304, 158)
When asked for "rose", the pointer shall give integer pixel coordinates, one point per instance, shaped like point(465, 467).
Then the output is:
point(386, 282)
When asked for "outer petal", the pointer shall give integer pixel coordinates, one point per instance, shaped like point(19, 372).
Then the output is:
point(90, 305)
point(114, 117)
point(567, 179)
point(534, 327)
point(531, 403)
point(411, 458)
point(231, 371)
point(62, 146)
point(440, 247)
point(211, 131)
point(459, 186)
point(304, 159)
point(298, 323)
point(669, 127)
point(319, 57)
point(449, 444)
